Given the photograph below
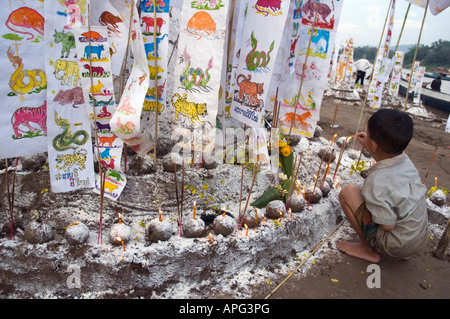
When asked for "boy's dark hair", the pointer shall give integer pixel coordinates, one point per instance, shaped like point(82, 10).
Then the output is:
point(391, 130)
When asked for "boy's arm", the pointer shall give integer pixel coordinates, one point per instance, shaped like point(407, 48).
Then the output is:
point(386, 227)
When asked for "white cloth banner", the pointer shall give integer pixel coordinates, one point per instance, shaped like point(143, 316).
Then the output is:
point(156, 94)
point(381, 65)
point(198, 72)
point(263, 30)
point(300, 109)
point(394, 85)
point(69, 130)
point(435, 6)
point(418, 85)
point(22, 86)
point(126, 121)
point(97, 82)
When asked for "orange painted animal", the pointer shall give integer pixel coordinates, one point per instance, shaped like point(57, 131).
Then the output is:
point(200, 23)
point(298, 118)
point(25, 17)
point(95, 36)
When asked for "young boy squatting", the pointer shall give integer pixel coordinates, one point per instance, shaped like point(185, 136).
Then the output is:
point(389, 212)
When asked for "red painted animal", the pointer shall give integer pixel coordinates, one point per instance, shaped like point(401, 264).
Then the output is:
point(72, 96)
point(26, 115)
point(150, 23)
point(28, 18)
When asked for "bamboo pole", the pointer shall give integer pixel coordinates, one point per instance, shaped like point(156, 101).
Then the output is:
point(313, 251)
point(373, 68)
point(155, 53)
point(249, 194)
point(415, 56)
point(100, 168)
point(312, 30)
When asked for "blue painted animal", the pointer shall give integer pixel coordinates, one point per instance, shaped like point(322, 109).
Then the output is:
point(94, 50)
point(150, 47)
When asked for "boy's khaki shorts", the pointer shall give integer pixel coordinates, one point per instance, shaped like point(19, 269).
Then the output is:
point(369, 230)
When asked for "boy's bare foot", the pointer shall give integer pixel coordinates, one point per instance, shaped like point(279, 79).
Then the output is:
point(359, 250)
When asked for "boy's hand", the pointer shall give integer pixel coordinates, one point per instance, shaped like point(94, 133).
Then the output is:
point(362, 138)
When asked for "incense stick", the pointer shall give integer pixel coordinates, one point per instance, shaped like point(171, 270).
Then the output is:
point(155, 53)
point(431, 162)
point(334, 119)
point(176, 190)
point(182, 195)
point(249, 193)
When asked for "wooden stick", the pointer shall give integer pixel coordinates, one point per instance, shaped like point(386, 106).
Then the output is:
point(176, 191)
point(332, 123)
point(415, 56)
point(313, 251)
point(249, 193)
point(155, 53)
point(182, 195)
point(313, 29)
point(373, 68)
point(327, 167)
point(431, 162)
point(240, 194)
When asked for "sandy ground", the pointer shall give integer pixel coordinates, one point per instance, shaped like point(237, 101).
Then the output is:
point(332, 274)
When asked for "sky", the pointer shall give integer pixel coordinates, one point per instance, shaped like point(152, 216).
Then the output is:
point(363, 20)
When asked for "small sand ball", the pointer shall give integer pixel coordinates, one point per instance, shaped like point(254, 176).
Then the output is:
point(159, 230)
point(253, 217)
point(169, 160)
point(38, 233)
point(77, 234)
point(327, 153)
point(121, 231)
point(224, 225)
point(438, 197)
point(274, 208)
point(352, 154)
point(209, 161)
point(296, 202)
point(316, 197)
point(325, 188)
point(193, 228)
point(317, 131)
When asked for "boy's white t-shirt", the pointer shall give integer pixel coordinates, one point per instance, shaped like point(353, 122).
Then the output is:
point(395, 196)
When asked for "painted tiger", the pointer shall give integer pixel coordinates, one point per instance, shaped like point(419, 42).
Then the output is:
point(66, 161)
point(26, 115)
point(190, 109)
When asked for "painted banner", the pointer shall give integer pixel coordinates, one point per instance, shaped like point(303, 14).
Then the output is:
point(262, 33)
point(104, 13)
point(156, 94)
point(414, 76)
point(435, 6)
point(94, 62)
point(198, 72)
point(69, 130)
point(300, 109)
point(23, 84)
point(418, 85)
point(348, 73)
point(394, 84)
point(344, 61)
point(126, 121)
point(380, 71)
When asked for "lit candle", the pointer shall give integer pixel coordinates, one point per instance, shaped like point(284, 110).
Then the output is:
point(120, 218)
point(256, 214)
point(195, 203)
point(121, 241)
point(299, 187)
point(336, 183)
point(246, 227)
point(223, 210)
point(290, 212)
point(334, 136)
point(435, 182)
point(304, 193)
point(210, 236)
point(281, 215)
point(160, 213)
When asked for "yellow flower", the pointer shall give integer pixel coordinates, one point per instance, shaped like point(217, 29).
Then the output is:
point(205, 186)
point(286, 150)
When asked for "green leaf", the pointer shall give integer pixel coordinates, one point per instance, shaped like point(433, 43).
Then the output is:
point(288, 164)
point(264, 199)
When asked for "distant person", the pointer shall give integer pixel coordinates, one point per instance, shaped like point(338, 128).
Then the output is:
point(389, 212)
point(361, 67)
point(407, 77)
point(436, 84)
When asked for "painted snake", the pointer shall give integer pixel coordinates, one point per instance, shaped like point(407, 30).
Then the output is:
point(64, 141)
point(195, 77)
point(256, 59)
point(36, 78)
